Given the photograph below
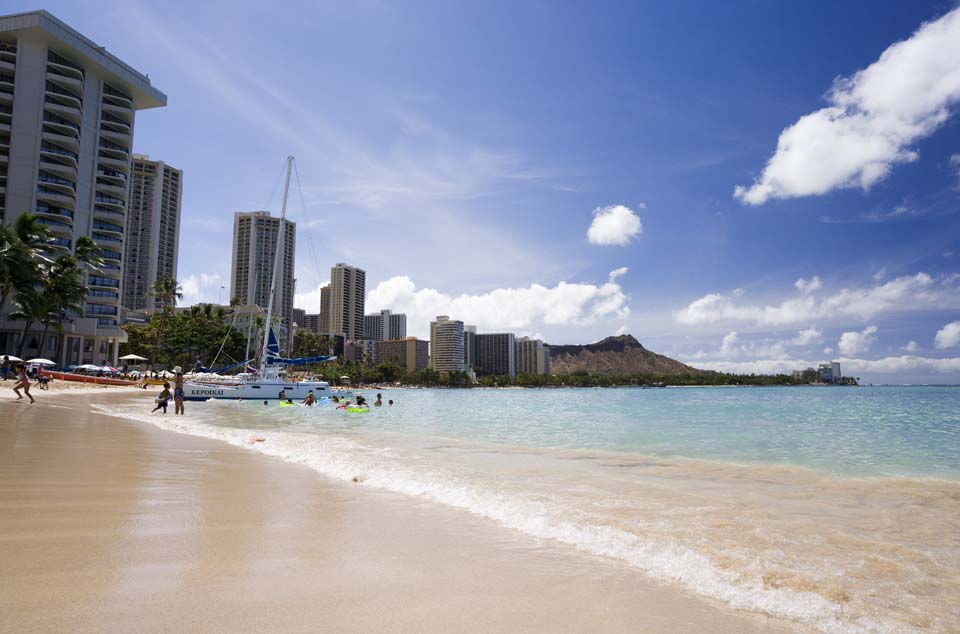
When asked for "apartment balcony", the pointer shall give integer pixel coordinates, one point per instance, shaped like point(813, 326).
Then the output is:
point(111, 202)
point(52, 181)
point(70, 83)
point(71, 143)
point(102, 282)
point(56, 213)
point(56, 197)
point(108, 228)
point(115, 136)
point(56, 224)
point(121, 111)
point(111, 214)
point(60, 169)
point(118, 153)
point(108, 239)
point(67, 112)
point(112, 162)
point(116, 179)
point(7, 64)
point(63, 96)
point(112, 189)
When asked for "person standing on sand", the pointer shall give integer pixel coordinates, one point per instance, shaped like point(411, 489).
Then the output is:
point(178, 391)
point(23, 382)
point(5, 367)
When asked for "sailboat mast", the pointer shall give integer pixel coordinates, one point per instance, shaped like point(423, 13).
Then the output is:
point(276, 267)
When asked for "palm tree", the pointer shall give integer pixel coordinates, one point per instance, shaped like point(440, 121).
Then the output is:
point(33, 305)
point(167, 291)
point(65, 283)
point(21, 254)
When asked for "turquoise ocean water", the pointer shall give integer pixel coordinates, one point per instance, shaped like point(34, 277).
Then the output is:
point(837, 508)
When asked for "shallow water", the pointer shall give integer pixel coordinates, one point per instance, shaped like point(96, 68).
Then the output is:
point(838, 508)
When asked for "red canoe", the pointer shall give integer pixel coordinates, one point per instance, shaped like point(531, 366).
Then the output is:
point(92, 380)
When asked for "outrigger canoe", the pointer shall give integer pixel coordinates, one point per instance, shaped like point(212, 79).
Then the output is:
point(92, 380)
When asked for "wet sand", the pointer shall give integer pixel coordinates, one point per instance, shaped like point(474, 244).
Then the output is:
point(113, 526)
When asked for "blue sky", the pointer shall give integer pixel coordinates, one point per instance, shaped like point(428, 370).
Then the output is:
point(459, 152)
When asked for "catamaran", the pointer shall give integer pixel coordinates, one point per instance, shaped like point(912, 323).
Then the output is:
point(269, 381)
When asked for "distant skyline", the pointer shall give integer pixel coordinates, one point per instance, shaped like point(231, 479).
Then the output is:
point(741, 186)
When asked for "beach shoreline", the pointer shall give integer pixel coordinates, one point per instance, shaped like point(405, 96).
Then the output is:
point(112, 525)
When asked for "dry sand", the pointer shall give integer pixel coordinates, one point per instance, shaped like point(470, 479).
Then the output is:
point(113, 526)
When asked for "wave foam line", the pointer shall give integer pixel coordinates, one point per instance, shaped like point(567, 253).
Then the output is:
point(346, 460)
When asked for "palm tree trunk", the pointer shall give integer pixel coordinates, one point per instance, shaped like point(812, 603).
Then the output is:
point(23, 338)
point(43, 337)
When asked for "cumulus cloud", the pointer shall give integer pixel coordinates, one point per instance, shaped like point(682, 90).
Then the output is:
point(909, 292)
point(728, 345)
point(828, 350)
point(948, 336)
point(850, 366)
point(807, 337)
point(204, 287)
point(732, 346)
point(614, 225)
point(871, 121)
point(911, 346)
point(515, 309)
point(857, 342)
point(808, 286)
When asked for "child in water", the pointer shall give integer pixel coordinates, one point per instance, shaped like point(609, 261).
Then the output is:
point(163, 399)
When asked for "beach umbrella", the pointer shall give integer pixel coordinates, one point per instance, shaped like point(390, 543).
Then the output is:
point(107, 368)
point(88, 366)
point(132, 357)
point(42, 361)
point(10, 357)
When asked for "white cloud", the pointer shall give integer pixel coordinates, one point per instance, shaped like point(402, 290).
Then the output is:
point(857, 342)
point(873, 118)
point(880, 275)
point(622, 330)
point(728, 346)
point(828, 350)
point(948, 336)
point(614, 274)
point(910, 292)
point(204, 287)
point(912, 346)
point(514, 309)
point(807, 337)
point(849, 366)
point(808, 286)
point(732, 346)
point(614, 225)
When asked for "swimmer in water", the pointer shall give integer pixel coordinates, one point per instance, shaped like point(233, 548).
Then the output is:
point(310, 400)
point(379, 400)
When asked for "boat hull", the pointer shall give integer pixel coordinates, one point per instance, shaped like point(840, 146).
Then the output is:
point(263, 391)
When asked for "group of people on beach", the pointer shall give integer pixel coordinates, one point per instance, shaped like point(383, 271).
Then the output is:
point(164, 399)
point(19, 371)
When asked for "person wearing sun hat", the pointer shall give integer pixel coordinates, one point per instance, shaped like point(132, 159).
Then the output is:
point(178, 390)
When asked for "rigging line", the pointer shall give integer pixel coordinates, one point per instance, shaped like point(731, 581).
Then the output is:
point(306, 220)
point(276, 186)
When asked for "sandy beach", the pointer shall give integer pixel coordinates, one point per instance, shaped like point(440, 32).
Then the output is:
point(113, 526)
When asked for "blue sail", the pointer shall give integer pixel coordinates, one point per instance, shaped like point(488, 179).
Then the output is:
point(274, 358)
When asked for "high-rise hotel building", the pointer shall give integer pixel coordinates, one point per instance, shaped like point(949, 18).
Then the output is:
point(385, 325)
point(67, 109)
point(255, 235)
point(348, 286)
point(153, 231)
point(446, 344)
